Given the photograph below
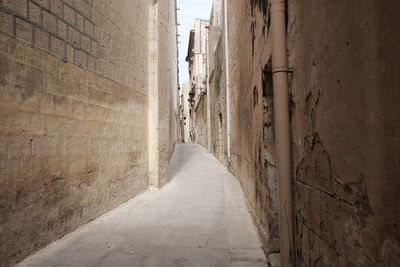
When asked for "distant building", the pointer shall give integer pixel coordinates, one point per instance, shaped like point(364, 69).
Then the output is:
point(185, 113)
point(197, 59)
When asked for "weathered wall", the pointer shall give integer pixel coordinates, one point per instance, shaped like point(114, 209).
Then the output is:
point(345, 131)
point(185, 114)
point(73, 114)
point(253, 148)
point(217, 90)
point(201, 122)
point(197, 59)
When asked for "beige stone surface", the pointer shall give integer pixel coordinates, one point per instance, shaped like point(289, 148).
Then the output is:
point(163, 89)
point(252, 138)
point(71, 147)
point(74, 105)
point(345, 131)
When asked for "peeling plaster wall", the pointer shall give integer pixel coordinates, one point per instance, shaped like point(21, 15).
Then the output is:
point(346, 131)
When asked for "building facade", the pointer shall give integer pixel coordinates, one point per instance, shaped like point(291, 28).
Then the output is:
point(197, 59)
point(185, 115)
point(78, 82)
point(343, 90)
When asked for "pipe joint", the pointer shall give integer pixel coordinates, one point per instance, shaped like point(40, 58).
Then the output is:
point(277, 6)
point(282, 69)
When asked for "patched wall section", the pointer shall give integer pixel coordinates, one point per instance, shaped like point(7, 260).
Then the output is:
point(73, 116)
point(345, 131)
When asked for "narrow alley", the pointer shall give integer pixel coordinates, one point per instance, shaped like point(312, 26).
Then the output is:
point(207, 133)
point(199, 219)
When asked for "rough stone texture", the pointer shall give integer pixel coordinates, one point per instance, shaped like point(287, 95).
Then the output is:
point(71, 145)
point(345, 131)
point(83, 24)
point(74, 104)
point(201, 122)
point(217, 81)
point(253, 146)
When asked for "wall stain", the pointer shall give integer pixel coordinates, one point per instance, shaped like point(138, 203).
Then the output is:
point(322, 195)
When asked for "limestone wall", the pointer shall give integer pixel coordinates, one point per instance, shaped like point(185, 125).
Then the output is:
point(253, 150)
point(163, 89)
point(253, 144)
point(217, 91)
point(345, 131)
point(201, 122)
point(74, 103)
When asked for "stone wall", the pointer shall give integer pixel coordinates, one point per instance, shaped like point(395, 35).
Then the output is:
point(217, 91)
point(163, 89)
point(201, 122)
point(74, 102)
point(253, 144)
point(345, 131)
point(253, 149)
point(218, 105)
point(91, 34)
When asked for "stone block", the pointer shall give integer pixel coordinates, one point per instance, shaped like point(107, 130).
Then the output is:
point(83, 7)
point(42, 39)
point(57, 46)
point(35, 13)
point(89, 28)
point(69, 15)
point(69, 2)
point(61, 29)
point(91, 63)
point(6, 23)
point(18, 6)
point(86, 43)
point(56, 7)
point(43, 3)
point(24, 30)
point(81, 58)
point(80, 22)
point(70, 54)
point(73, 37)
point(49, 22)
point(95, 48)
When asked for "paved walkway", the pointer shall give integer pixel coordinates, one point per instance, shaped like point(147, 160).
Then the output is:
point(198, 219)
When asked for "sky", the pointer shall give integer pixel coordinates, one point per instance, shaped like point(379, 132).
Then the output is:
point(189, 10)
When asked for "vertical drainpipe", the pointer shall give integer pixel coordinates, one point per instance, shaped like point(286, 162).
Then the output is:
point(283, 151)
point(208, 92)
point(228, 85)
